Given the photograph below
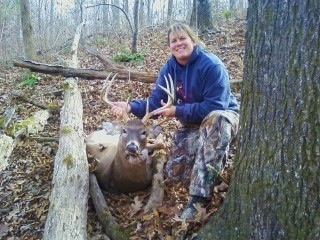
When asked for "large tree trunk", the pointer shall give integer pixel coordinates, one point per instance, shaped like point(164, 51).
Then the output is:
point(67, 216)
point(275, 188)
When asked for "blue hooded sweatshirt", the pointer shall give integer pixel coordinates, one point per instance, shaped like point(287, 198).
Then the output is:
point(202, 85)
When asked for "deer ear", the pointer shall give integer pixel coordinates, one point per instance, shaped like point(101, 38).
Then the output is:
point(112, 128)
point(154, 131)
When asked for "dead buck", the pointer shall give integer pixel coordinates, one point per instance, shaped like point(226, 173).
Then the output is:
point(124, 161)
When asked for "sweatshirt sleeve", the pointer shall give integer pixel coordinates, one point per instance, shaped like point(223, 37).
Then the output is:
point(215, 90)
point(139, 106)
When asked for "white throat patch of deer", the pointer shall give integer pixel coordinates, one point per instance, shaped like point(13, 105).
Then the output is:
point(124, 158)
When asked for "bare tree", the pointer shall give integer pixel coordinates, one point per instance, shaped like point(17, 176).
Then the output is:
point(126, 6)
point(201, 17)
point(116, 15)
point(169, 16)
point(274, 192)
point(141, 13)
point(232, 5)
point(28, 42)
point(136, 27)
point(150, 10)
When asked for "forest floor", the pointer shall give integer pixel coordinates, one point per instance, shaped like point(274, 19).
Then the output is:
point(25, 184)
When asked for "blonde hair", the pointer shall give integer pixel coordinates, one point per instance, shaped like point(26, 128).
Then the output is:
point(176, 27)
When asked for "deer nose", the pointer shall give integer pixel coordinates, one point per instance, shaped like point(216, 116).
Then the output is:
point(132, 147)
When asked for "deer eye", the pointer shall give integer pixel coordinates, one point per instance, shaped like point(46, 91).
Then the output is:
point(124, 131)
point(144, 133)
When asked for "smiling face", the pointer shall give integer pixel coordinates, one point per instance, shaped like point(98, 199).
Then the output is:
point(181, 45)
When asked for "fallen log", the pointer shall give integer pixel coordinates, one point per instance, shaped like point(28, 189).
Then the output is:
point(67, 215)
point(123, 74)
point(157, 188)
point(13, 133)
point(110, 226)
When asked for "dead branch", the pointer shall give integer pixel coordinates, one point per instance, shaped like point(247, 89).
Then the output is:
point(29, 100)
point(56, 93)
point(44, 139)
point(123, 74)
point(104, 59)
point(110, 226)
point(157, 190)
point(8, 114)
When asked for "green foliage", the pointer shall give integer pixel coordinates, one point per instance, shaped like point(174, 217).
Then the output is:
point(227, 14)
point(127, 56)
point(29, 79)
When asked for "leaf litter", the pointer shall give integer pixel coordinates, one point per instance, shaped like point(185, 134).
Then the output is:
point(25, 184)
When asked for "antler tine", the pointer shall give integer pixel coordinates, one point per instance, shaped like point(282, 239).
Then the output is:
point(168, 90)
point(106, 88)
point(104, 95)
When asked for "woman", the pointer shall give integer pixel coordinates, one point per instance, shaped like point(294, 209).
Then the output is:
point(205, 107)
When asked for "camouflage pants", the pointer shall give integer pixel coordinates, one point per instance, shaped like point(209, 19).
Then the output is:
point(196, 154)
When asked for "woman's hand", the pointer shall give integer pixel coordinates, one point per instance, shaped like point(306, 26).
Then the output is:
point(169, 112)
point(119, 107)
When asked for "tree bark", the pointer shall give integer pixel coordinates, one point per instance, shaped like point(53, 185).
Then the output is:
point(169, 13)
point(274, 192)
point(28, 41)
point(201, 17)
point(136, 26)
point(157, 188)
point(67, 216)
point(110, 226)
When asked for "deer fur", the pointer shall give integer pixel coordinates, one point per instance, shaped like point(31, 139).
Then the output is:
point(124, 160)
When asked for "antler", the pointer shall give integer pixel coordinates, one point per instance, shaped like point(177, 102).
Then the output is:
point(170, 91)
point(104, 95)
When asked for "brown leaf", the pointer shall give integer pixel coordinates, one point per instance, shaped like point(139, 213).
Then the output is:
point(136, 206)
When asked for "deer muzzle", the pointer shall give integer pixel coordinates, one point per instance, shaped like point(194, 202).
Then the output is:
point(132, 148)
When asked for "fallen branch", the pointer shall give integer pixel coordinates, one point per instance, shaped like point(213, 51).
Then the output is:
point(104, 59)
point(29, 100)
point(6, 119)
point(44, 139)
point(110, 226)
point(123, 74)
point(157, 190)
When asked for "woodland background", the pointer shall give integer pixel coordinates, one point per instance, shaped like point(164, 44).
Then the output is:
point(132, 34)
point(273, 46)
